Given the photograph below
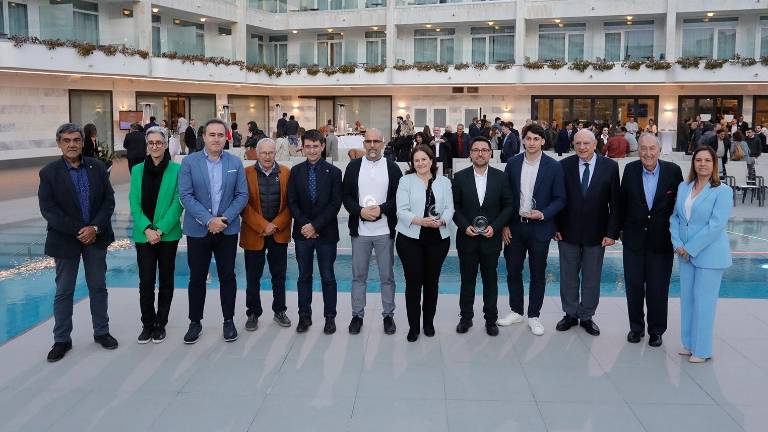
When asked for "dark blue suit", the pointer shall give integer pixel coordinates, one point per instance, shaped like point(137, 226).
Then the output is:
point(510, 146)
point(532, 237)
point(321, 213)
point(563, 144)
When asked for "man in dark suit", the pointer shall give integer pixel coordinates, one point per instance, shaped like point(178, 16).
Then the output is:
point(77, 201)
point(190, 137)
point(588, 224)
point(538, 195)
point(721, 144)
point(743, 126)
point(460, 143)
point(370, 185)
point(564, 139)
point(281, 125)
point(152, 123)
point(474, 129)
point(648, 194)
point(480, 191)
point(510, 143)
point(314, 197)
point(135, 145)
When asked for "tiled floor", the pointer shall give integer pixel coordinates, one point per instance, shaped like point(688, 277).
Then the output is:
point(275, 379)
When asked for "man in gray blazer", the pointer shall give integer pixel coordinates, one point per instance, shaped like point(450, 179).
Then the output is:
point(213, 191)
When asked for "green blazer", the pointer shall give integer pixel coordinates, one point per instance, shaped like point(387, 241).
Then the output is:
point(168, 211)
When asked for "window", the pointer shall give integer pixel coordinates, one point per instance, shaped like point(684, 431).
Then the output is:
point(709, 38)
point(278, 47)
point(86, 106)
point(439, 117)
point(493, 44)
point(17, 19)
point(375, 47)
point(433, 46)
point(604, 109)
point(186, 37)
point(419, 118)
point(330, 49)
point(69, 19)
point(276, 6)
point(628, 40)
point(86, 21)
point(561, 41)
point(763, 36)
point(156, 47)
point(255, 49)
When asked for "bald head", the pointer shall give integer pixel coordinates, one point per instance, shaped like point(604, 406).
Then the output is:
point(584, 142)
point(585, 134)
point(374, 134)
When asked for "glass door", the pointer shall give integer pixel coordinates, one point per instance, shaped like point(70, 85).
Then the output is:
point(324, 113)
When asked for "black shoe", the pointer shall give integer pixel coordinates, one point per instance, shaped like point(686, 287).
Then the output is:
point(491, 328)
point(654, 340)
point(106, 341)
point(389, 325)
point(429, 329)
point(590, 327)
point(634, 337)
point(330, 325)
point(193, 334)
point(229, 331)
point(355, 325)
point(282, 319)
point(58, 350)
point(146, 335)
point(252, 323)
point(304, 323)
point(566, 323)
point(412, 335)
point(464, 325)
point(158, 334)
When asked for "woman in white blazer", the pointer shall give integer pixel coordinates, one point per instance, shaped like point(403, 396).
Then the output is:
point(697, 226)
point(424, 207)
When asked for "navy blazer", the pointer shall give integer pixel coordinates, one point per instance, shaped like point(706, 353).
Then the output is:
point(563, 144)
point(322, 213)
point(60, 206)
point(351, 194)
point(548, 191)
point(510, 146)
point(585, 220)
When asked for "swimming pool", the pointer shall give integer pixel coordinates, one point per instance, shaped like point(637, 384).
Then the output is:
point(26, 297)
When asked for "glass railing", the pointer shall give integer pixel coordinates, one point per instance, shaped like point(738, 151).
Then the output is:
point(434, 2)
point(283, 6)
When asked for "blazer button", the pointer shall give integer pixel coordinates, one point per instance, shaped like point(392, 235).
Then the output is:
point(209, 210)
point(649, 216)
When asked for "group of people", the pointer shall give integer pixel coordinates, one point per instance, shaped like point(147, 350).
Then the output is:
point(731, 140)
point(580, 202)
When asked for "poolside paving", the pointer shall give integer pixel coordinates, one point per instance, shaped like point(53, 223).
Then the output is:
point(275, 378)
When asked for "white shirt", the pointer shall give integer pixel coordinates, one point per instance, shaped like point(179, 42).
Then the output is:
point(481, 182)
point(591, 163)
point(689, 204)
point(182, 126)
point(527, 182)
point(373, 181)
point(632, 127)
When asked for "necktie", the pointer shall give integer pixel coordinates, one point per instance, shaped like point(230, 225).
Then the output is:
point(585, 179)
point(312, 183)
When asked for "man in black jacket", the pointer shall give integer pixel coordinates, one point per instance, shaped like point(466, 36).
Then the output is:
point(588, 224)
point(648, 194)
point(481, 195)
point(77, 201)
point(281, 125)
point(190, 137)
point(135, 145)
point(369, 188)
point(314, 197)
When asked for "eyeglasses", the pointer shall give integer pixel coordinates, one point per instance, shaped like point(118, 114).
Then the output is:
point(155, 143)
point(482, 150)
point(369, 142)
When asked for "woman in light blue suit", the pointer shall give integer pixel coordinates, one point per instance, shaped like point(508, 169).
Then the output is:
point(698, 235)
point(424, 207)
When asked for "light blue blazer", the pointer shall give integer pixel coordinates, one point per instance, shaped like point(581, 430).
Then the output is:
point(411, 198)
point(195, 193)
point(703, 236)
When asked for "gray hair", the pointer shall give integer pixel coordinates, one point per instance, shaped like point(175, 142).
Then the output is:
point(460, 125)
point(156, 130)
point(265, 141)
point(67, 128)
point(650, 136)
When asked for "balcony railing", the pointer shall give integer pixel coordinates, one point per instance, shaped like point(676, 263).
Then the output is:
point(284, 6)
point(434, 2)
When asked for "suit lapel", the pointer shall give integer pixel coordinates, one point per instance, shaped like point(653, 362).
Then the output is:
point(203, 166)
point(640, 185)
point(93, 180)
point(539, 175)
point(660, 184)
point(66, 179)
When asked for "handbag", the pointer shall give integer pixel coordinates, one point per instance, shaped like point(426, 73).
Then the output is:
point(738, 153)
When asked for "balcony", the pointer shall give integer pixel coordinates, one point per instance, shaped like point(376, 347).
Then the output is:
point(285, 6)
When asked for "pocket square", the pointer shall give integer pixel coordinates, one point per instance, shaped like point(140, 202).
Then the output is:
point(232, 170)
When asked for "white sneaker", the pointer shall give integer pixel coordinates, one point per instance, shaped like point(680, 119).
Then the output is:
point(511, 318)
point(536, 327)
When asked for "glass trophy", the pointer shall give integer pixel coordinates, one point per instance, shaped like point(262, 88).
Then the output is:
point(533, 206)
point(433, 212)
point(369, 200)
point(480, 224)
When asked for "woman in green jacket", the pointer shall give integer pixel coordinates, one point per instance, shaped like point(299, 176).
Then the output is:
point(156, 211)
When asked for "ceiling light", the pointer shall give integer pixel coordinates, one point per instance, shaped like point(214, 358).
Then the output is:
point(294, 31)
point(497, 27)
point(437, 29)
point(375, 28)
point(429, 25)
point(629, 18)
point(177, 21)
point(557, 20)
point(155, 10)
point(710, 14)
point(559, 25)
point(329, 30)
point(490, 23)
point(203, 19)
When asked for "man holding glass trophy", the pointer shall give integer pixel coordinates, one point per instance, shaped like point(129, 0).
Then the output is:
point(538, 194)
point(483, 205)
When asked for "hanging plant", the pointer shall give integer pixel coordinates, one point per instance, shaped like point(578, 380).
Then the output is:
point(18, 41)
point(84, 49)
point(440, 68)
point(710, 64)
point(534, 65)
point(764, 60)
point(403, 67)
point(292, 68)
point(601, 65)
point(272, 71)
point(423, 67)
point(655, 64)
point(743, 61)
point(461, 66)
point(108, 50)
point(347, 68)
point(313, 70)
point(52, 44)
point(480, 66)
point(504, 66)
point(688, 62)
point(130, 52)
point(580, 65)
point(330, 70)
point(375, 68)
point(632, 64)
point(556, 64)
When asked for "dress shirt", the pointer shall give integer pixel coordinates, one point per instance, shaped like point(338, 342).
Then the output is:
point(79, 176)
point(274, 169)
point(481, 182)
point(591, 163)
point(215, 177)
point(632, 127)
point(527, 182)
point(630, 137)
point(689, 204)
point(182, 126)
point(374, 181)
point(650, 181)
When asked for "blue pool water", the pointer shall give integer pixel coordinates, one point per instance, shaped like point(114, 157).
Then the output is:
point(27, 300)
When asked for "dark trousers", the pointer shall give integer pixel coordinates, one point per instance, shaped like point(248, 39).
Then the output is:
point(422, 262)
point(95, 265)
point(647, 275)
point(326, 257)
point(151, 258)
point(580, 295)
point(468, 264)
point(199, 251)
point(524, 242)
point(277, 256)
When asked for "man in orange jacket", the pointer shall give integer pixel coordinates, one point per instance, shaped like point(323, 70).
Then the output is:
point(266, 231)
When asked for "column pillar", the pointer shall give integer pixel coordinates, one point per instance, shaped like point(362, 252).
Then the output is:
point(240, 33)
point(520, 32)
point(670, 51)
point(142, 18)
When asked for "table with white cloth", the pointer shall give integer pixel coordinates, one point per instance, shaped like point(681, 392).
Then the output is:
point(347, 142)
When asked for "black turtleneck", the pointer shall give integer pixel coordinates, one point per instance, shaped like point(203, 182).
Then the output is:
point(150, 185)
